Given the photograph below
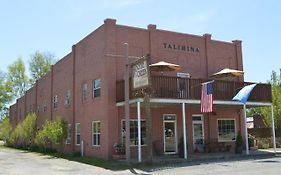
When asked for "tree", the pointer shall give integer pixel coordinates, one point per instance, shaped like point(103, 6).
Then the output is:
point(39, 65)
point(52, 133)
point(275, 82)
point(5, 94)
point(17, 78)
point(5, 129)
point(25, 131)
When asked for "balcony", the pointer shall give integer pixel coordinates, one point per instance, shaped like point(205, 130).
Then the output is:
point(185, 88)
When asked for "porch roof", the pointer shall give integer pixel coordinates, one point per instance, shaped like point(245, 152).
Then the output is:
point(163, 101)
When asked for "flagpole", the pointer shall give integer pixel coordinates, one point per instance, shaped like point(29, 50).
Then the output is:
point(246, 130)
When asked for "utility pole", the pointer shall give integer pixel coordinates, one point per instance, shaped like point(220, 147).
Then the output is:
point(127, 107)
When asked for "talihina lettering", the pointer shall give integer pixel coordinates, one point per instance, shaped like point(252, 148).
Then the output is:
point(180, 47)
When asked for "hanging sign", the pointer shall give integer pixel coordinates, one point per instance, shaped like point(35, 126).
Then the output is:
point(141, 75)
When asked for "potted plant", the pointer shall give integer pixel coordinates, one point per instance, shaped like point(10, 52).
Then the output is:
point(239, 144)
point(119, 149)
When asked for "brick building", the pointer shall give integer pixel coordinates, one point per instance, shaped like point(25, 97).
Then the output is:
point(86, 89)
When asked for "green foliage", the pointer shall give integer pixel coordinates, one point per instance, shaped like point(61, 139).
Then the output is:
point(17, 78)
point(25, 131)
point(5, 94)
point(5, 129)
point(239, 143)
point(39, 65)
point(52, 133)
point(276, 102)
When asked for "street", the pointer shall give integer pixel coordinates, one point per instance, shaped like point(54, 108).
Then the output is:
point(16, 162)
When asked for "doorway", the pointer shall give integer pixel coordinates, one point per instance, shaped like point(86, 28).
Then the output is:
point(170, 133)
point(198, 133)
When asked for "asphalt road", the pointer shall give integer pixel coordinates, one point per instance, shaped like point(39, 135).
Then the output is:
point(15, 162)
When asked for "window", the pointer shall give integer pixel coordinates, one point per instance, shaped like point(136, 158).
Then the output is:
point(84, 92)
point(226, 130)
point(96, 88)
point(96, 133)
point(68, 138)
point(55, 101)
point(67, 98)
point(38, 108)
point(134, 132)
point(77, 133)
point(44, 106)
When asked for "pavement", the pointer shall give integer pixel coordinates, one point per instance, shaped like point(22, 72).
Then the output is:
point(18, 162)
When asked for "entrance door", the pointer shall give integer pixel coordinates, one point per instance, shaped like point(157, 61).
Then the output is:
point(198, 133)
point(170, 134)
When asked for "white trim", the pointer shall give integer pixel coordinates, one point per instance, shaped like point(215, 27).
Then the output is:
point(235, 129)
point(176, 134)
point(192, 101)
point(135, 120)
point(76, 133)
point(198, 122)
point(92, 134)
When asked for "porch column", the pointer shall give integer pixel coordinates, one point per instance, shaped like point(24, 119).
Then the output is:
point(184, 131)
point(139, 131)
point(246, 130)
point(273, 129)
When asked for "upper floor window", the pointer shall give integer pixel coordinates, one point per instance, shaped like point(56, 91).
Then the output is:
point(55, 101)
point(67, 98)
point(84, 92)
point(44, 106)
point(96, 88)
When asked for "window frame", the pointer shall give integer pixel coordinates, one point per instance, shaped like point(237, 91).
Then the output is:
point(68, 137)
point(67, 96)
point(96, 89)
point(76, 134)
point(84, 92)
point(123, 135)
point(235, 133)
point(55, 101)
point(98, 141)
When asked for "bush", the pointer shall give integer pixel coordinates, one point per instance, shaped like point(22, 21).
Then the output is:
point(25, 131)
point(52, 133)
point(5, 129)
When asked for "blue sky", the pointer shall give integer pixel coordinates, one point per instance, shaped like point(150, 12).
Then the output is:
point(55, 25)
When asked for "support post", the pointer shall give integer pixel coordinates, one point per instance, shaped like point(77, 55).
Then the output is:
point(246, 130)
point(127, 107)
point(273, 129)
point(184, 131)
point(139, 131)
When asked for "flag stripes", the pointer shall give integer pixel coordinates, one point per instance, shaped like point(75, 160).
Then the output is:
point(207, 97)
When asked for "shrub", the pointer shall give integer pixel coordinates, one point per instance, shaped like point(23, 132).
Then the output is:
point(5, 129)
point(25, 131)
point(52, 133)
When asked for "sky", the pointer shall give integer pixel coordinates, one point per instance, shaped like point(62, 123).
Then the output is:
point(55, 25)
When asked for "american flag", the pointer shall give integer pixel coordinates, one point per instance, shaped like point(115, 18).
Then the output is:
point(207, 97)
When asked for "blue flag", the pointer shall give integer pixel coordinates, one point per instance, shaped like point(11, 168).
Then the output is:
point(244, 93)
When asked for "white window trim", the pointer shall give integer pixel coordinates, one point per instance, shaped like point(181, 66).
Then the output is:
point(55, 101)
point(67, 96)
point(68, 134)
point(77, 133)
point(96, 121)
point(84, 92)
point(235, 130)
point(125, 126)
point(94, 88)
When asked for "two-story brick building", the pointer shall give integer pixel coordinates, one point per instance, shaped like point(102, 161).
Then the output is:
point(86, 89)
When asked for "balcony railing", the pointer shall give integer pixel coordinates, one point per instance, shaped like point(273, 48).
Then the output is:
point(185, 88)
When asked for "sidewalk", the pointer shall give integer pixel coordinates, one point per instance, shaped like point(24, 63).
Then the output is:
point(199, 158)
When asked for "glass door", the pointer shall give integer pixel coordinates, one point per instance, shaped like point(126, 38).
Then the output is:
point(198, 133)
point(170, 134)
